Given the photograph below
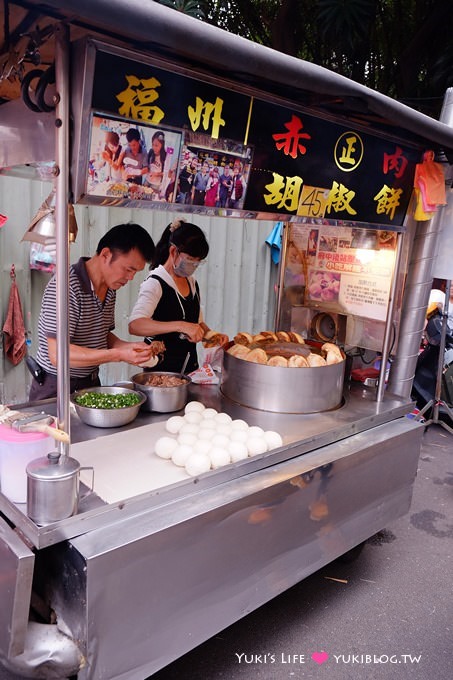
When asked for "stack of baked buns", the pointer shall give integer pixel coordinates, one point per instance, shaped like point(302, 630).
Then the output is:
point(274, 349)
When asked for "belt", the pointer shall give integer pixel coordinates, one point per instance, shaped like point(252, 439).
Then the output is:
point(74, 378)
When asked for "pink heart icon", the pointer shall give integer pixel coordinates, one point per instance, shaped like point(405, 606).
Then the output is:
point(320, 657)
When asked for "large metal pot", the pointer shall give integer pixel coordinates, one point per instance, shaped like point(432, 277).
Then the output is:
point(162, 399)
point(282, 390)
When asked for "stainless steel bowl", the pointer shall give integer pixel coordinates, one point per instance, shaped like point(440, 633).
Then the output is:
point(107, 417)
point(162, 399)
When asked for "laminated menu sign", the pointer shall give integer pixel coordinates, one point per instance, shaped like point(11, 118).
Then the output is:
point(341, 269)
point(217, 147)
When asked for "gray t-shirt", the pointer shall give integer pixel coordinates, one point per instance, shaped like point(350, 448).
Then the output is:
point(90, 320)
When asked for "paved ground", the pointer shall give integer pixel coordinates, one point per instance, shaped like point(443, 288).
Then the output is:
point(388, 616)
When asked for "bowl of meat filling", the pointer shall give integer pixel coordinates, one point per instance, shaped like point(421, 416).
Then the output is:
point(164, 392)
point(107, 406)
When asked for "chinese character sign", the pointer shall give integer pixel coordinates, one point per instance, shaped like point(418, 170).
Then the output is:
point(242, 152)
point(313, 168)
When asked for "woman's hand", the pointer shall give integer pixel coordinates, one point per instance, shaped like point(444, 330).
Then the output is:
point(213, 339)
point(224, 339)
point(193, 331)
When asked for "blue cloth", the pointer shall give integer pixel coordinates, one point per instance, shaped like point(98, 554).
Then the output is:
point(274, 240)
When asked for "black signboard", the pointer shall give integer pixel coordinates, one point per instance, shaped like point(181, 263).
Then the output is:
point(225, 149)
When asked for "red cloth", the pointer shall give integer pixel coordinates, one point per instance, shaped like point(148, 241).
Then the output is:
point(14, 328)
point(430, 179)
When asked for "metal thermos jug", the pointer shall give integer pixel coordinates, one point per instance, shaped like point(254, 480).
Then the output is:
point(53, 487)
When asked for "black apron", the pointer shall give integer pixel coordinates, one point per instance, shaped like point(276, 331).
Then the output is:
point(170, 308)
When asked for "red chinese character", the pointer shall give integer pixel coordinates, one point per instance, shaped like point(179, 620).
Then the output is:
point(396, 161)
point(290, 141)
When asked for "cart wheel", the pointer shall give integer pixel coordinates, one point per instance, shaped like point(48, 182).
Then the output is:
point(352, 554)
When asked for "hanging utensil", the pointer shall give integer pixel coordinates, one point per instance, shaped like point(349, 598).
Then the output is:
point(184, 366)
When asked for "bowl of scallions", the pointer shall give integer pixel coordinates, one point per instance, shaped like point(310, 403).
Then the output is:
point(107, 406)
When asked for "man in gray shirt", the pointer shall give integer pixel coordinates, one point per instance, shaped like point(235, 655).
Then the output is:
point(121, 253)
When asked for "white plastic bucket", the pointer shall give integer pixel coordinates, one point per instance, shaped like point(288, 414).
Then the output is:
point(17, 449)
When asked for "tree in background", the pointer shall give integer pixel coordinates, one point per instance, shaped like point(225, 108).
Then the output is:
point(402, 48)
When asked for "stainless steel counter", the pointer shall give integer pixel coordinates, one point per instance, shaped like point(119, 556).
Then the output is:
point(301, 434)
point(185, 560)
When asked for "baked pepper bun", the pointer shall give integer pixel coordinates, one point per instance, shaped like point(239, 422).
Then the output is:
point(212, 339)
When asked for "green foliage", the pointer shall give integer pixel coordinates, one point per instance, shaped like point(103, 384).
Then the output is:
point(192, 8)
point(403, 48)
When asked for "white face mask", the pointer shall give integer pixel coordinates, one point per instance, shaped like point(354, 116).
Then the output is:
point(184, 267)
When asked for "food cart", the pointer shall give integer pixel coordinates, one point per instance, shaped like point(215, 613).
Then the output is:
point(155, 561)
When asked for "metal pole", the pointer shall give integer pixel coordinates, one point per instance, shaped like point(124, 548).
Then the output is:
point(440, 366)
point(281, 274)
point(389, 328)
point(62, 229)
point(437, 401)
point(417, 288)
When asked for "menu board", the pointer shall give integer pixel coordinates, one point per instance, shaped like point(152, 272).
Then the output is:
point(340, 269)
point(224, 149)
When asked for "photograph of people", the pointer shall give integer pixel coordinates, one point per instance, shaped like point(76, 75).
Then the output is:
point(237, 188)
point(312, 241)
point(156, 162)
point(226, 186)
point(295, 266)
point(200, 184)
point(212, 188)
point(111, 156)
point(134, 158)
point(132, 161)
point(93, 281)
point(168, 305)
point(186, 176)
point(294, 276)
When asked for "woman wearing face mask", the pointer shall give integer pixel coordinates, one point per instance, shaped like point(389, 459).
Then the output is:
point(168, 304)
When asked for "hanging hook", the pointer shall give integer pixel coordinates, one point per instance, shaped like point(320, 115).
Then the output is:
point(12, 272)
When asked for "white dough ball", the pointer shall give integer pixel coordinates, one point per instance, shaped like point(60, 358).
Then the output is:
point(224, 428)
point(206, 434)
point(189, 428)
point(273, 439)
point(193, 417)
point(256, 445)
point(238, 451)
point(239, 424)
point(203, 446)
point(197, 463)
point(174, 424)
point(239, 436)
point(187, 439)
point(220, 440)
point(194, 406)
point(208, 424)
point(219, 457)
point(255, 431)
point(223, 418)
point(165, 446)
point(181, 454)
point(209, 413)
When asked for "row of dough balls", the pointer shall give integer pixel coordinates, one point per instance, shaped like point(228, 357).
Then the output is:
point(205, 439)
point(258, 355)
